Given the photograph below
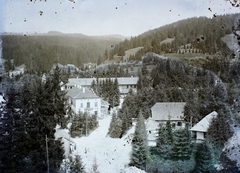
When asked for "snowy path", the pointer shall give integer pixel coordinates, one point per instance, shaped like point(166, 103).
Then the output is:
point(112, 155)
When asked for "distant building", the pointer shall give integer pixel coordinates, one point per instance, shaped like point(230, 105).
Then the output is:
point(200, 129)
point(68, 67)
point(125, 83)
point(88, 66)
point(84, 100)
point(169, 111)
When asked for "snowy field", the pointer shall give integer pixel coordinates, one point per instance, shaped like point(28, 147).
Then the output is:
point(111, 155)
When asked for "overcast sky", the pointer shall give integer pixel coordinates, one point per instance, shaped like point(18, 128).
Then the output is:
point(102, 17)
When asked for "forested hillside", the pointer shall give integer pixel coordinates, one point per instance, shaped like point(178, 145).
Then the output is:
point(173, 80)
point(39, 52)
point(193, 35)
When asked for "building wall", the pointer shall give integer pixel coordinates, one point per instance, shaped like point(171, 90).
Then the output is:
point(176, 125)
point(200, 136)
point(87, 105)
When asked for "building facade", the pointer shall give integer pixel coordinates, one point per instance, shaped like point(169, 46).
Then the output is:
point(84, 100)
point(125, 83)
point(169, 111)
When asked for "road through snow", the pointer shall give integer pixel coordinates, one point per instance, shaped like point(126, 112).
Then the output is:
point(112, 155)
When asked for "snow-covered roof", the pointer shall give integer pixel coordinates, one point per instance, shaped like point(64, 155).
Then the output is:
point(163, 111)
point(88, 81)
point(203, 125)
point(81, 93)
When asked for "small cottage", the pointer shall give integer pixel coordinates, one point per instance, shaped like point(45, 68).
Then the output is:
point(199, 130)
point(169, 111)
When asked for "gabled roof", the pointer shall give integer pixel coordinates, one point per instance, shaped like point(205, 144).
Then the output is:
point(203, 125)
point(163, 111)
point(83, 93)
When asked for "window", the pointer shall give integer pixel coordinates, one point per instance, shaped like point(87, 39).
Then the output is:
point(81, 105)
point(96, 104)
point(173, 125)
point(88, 104)
point(95, 112)
point(179, 124)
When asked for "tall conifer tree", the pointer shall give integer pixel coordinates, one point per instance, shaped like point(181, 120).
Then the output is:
point(140, 148)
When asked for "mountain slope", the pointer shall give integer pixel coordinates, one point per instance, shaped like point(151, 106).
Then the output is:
point(195, 35)
point(40, 51)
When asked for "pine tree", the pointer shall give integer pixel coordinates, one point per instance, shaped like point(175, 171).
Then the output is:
point(95, 166)
point(42, 123)
point(181, 145)
point(59, 98)
point(94, 86)
point(114, 130)
point(116, 93)
point(165, 141)
point(77, 165)
point(13, 133)
point(203, 158)
point(75, 130)
point(140, 148)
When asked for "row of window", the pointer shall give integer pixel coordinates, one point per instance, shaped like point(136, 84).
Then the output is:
point(88, 104)
point(178, 124)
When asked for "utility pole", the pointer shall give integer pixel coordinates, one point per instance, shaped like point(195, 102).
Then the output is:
point(86, 124)
point(87, 121)
point(47, 154)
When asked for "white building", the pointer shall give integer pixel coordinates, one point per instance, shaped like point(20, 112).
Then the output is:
point(200, 129)
point(169, 111)
point(84, 100)
point(125, 83)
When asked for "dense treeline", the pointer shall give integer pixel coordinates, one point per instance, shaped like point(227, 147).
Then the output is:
point(39, 52)
point(83, 124)
point(108, 90)
point(174, 81)
point(202, 33)
point(29, 117)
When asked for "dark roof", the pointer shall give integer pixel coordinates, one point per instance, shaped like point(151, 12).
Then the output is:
point(81, 93)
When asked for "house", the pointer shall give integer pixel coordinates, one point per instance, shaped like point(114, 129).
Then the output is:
point(125, 83)
point(84, 100)
point(169, 111)
point(199, 130)
point(88, 66)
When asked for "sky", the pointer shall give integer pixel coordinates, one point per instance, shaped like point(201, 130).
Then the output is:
point(102, 17)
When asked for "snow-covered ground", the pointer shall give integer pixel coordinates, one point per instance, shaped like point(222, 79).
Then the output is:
point(232, 147)
point(111, 155)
